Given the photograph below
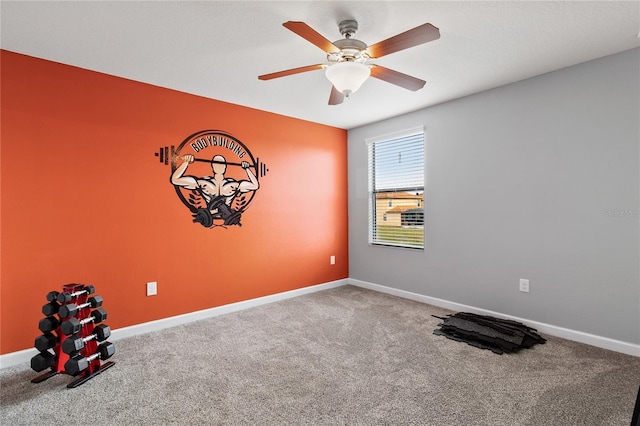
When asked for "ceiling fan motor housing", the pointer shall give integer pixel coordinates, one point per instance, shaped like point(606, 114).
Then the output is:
point(351, 50)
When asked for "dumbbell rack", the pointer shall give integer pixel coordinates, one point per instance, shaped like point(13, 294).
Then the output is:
point(95, 366)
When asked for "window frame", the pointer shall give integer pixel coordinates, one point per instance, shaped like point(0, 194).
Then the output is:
point(371, 192)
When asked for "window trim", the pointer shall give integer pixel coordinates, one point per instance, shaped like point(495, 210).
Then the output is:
point(411, 131)
point(395, 135)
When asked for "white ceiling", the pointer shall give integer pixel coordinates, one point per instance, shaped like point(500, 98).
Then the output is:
point(217, 49)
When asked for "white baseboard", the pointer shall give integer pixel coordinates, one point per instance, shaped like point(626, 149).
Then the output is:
point(160, 324)
point(15, 358)
point(565, 333)
point(24, 356)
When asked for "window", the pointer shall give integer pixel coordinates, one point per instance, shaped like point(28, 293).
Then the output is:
point(413, 217)
point(396, 178)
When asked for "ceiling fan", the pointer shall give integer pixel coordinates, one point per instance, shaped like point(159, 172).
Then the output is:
point(348, 58)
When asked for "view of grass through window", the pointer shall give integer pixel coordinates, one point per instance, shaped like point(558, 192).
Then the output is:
point(401, 236)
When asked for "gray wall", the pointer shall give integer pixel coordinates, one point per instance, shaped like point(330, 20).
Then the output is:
point(538, 179)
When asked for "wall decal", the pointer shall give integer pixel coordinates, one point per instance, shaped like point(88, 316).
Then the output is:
point(215, 176)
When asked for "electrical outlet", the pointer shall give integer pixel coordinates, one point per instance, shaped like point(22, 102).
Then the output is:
point(524, 285)
point(332, 260)
point(152, 288)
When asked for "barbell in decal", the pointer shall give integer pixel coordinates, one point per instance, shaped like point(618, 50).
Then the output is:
point(165, 154)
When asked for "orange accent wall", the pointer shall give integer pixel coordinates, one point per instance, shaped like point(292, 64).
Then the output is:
point(84, 200)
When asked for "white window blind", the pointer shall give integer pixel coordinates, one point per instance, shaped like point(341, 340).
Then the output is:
point(396, 189)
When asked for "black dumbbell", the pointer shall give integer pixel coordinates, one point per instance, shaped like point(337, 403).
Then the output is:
point(45, 341)
point(52, 296)
point(72, 309)
point(65, 297)
point(75, 343)
point(74, 325)
point(78, 364)
point(48, 324)
point(50, 308)
point(42, 361)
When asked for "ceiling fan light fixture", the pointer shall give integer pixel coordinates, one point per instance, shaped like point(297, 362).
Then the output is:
point(347, 77)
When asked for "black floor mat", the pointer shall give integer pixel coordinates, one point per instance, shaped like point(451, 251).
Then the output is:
point(486, 332)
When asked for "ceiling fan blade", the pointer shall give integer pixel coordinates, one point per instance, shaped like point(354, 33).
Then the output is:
point(418, 35)
point(336, 97)
point(311, 35)
point(291, 71)
point(397, 78)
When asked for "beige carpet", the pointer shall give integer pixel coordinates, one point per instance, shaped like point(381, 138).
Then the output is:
point(345, 356)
